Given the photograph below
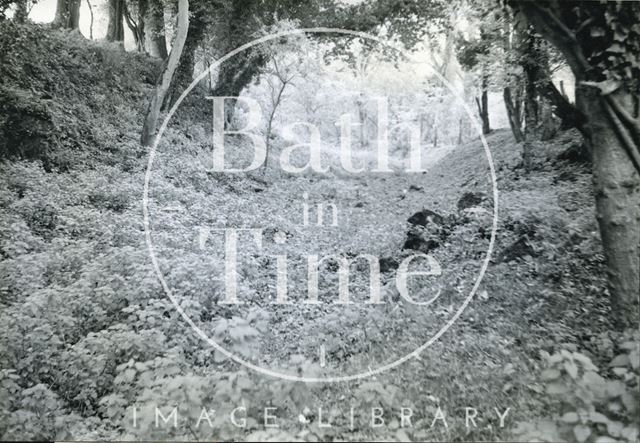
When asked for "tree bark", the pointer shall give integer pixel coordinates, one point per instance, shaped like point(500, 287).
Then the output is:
point(530, 112)
point(512, 114)
point(483, 107)
point(67, 14)
point(186, 67)
point(617, 187)
point(151, 119)
point(115, 28)
point(569, 115)
point(155, 40)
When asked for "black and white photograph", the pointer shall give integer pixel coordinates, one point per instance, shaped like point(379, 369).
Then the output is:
point(320, 220)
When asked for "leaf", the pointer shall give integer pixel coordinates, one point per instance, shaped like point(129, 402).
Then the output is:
point(634, 358)
point(614, 428)
point(629, 345)
point(616, 48)
point(570, 417)
point(571, 368)
point(629, 402)
point(620, 371)
point(594, 381)
point(557, 388)
point(630, 433)
point(597, 31)
point(550, 374)
point(615, 388)
point(621, 360)
point(597, 417)
point(585, 361)
point(218, 357)
point(582, 433)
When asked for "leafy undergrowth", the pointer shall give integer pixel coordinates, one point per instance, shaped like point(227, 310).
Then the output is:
point(87, 333)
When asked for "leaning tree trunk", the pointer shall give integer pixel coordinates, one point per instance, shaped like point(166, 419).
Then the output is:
point(115, 28)
point(184, 71)
point(569, 115)
point(151, 119)
point(67, 14)
point(155, 40)
point(617, 188)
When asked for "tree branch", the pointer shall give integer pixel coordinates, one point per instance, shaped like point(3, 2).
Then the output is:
point(632, 124)
point(547, 23)
point(630, 146)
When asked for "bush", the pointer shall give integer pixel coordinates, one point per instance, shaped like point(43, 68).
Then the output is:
point(593, 405)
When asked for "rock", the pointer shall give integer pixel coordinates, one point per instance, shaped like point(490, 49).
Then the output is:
point(515, 250)
point(388, 264)
point(469, 200)
point(577, 152)
point(424, 217)
point(418, 241)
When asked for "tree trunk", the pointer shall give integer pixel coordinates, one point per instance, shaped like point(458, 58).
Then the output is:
point(613, 137)
point(185, 69)
point(115, 28)
point(569, 115)
point(530, 112)
point(67, 14)
point(549, 127)
point(151, 119)
point(155, 40)
point(90, 19)
point(483, 107)
point(617, 188)
point(136, 24)
point(483, 111)
point(512, 114)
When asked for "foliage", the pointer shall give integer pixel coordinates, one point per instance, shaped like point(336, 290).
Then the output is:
point(87, 333)
point(594, 405)
point(43, 88)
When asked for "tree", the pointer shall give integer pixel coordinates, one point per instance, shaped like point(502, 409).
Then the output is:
point(134, 15)
point(151, 119)
point(155, 40)
point(198, 23)
point(471, 55)
point(115, 28)
point(600, 42)
point(67, 14)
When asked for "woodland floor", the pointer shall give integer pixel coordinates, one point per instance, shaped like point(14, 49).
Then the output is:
point(80, 300)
